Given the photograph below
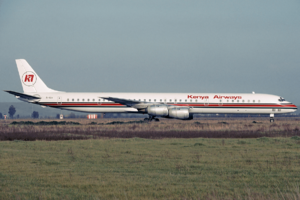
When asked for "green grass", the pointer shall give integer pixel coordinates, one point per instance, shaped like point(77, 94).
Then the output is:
point(264, 168)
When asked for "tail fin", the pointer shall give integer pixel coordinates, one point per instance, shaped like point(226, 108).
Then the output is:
point(31, 82)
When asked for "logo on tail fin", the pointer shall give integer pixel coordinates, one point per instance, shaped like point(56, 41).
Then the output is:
point(29, 78)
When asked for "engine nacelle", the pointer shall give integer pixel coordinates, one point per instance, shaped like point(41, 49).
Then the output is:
point(180, 113)
point(158, 110)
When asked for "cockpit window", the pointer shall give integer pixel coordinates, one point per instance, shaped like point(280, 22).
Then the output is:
point(281, 99)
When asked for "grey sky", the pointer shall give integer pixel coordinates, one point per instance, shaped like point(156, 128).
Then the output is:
point(153, 46)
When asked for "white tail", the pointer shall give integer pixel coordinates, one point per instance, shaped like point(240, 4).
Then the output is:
point(31, 82)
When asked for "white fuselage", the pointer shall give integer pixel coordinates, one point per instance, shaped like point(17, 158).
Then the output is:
point(240, 103)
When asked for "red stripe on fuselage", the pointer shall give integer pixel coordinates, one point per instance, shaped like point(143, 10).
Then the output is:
point(78, 104)
point(190, 105)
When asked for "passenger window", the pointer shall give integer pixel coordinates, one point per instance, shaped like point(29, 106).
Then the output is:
point(227, 101)
point(248, 101)
point(170, 100)
point(253, 101)
point(191, 100)
point(139, 99)
point(238, 101)
point(93, 99)
point(67, 99)
point(196, 100)
point(180, 100)
point(161, 100)
point(145, 100)
point(185, 100)
point(155, 100)
point(258, 101)
point(243, 101)
point(72, 99)
point(149, 99)
point(220, 100)
point(232, 101)
point(88, 99)
point(77, 99)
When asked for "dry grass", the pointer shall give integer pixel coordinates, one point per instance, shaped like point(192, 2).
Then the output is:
point(166, 128)
point(92, 166)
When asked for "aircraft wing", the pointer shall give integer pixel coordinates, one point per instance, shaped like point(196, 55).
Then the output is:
point(21, 95)
point(129, 102)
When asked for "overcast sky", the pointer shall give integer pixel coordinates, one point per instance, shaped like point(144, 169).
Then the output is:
point(153, 46)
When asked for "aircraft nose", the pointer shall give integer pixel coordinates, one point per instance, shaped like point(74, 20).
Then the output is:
point(294, 106)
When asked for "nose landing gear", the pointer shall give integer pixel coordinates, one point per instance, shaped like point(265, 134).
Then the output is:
point(271, 118)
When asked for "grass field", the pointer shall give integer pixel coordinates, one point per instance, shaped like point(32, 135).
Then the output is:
point(208, 128)
point(166, 168)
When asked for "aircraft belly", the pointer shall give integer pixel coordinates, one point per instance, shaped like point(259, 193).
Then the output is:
point(239, 111)
point(101, 110)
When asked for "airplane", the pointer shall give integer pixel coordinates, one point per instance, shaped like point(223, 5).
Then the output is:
point(166, 105)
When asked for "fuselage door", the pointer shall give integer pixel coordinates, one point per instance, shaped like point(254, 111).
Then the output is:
point(220, 102)
point(206, 102)
point(59, 100)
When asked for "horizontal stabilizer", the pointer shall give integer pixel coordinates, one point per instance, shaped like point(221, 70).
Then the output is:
point(21, 95)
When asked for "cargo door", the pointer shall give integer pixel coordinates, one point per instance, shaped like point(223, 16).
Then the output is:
point(59, 100)
point(206, 102)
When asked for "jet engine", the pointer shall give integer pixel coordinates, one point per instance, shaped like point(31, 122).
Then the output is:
point(180, 113)
point(169, 112)
point(158, 110)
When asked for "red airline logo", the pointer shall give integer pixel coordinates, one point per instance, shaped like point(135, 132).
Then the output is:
point(197, 97)
point(227, 97)
point(29, 78)
point(215, 97)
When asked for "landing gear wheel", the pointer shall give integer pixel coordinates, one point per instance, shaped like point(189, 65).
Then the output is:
point(271, 120)
point(150, 119)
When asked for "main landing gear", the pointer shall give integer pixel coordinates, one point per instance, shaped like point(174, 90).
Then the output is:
point(271, 118)
point(151, 118)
